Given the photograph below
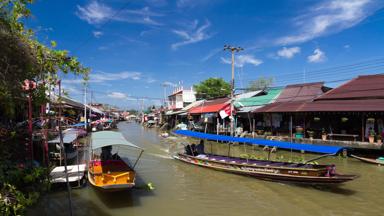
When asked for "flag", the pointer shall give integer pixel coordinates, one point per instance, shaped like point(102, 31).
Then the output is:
point(225, 112)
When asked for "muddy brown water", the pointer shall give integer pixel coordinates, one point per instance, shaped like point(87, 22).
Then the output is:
point(182, 189)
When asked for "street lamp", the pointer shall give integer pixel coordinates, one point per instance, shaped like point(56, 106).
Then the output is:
point(232, 49)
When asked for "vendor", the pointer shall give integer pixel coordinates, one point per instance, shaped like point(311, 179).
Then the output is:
point(200, 147)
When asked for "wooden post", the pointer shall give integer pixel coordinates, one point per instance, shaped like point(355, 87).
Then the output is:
point(254, 127)
point(304, 127)
point(362, 128)
point(270, 121)
point(290, 127)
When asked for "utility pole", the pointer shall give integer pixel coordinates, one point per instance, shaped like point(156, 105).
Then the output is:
point(165, 85)
point(85, 106)
point(232, 49)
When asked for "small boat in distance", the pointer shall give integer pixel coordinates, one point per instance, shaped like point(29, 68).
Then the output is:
point(304, 173)
point(109, 171)
point(379, 161)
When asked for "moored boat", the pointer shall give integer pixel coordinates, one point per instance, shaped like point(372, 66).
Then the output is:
point(305, 173)
point(269, 170)
point(110, 171)
point(379, 161)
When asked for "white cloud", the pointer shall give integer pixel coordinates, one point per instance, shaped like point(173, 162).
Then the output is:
point(117, 95)
point(347, 46)
point(328, 17)
point(101, 77)
point(192, 35)
point(168, 83)
point(318, 56)
point(97, 13)
point(190, 3)
point(211, 54)
point(241, 60)
point(97, 34)
point(150, 80)
point(288, 52)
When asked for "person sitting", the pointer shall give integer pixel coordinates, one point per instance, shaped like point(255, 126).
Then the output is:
point(188, 150)
point(194, 151)
point(200, 148)
point(106, 153)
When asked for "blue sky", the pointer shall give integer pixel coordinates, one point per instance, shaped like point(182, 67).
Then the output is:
point(133, 47)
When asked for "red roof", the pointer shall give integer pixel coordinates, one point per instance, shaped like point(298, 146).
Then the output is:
point(362, 87)
point(364, 93)
point(368, 105)
point(301, 92)
point(295, 97)
point(212, 106)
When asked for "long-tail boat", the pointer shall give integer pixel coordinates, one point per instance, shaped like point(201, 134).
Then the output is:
point(379, 161)
point(110, 171)
point(265, 169)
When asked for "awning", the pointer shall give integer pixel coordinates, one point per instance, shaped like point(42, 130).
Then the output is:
point(271, 143)
point(276, 107)
point(95, 110)
point(69, 136)
point(247, 109)
point(258, 101)
point(213, 106)
point(110, 138)
point(368, 105)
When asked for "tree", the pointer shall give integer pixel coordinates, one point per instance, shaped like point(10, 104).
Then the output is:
point(22, 57)
point(212, 88)
point(260, 83)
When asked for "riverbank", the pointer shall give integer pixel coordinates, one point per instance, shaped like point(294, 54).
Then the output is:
point(181, 189)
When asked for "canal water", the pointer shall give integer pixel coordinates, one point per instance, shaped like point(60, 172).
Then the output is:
point(182, 189)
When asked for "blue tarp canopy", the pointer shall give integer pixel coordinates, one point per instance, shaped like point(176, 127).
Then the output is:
point(272, 143)
point(81, 124)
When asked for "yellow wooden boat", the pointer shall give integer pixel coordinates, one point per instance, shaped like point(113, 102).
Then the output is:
point(109, 171)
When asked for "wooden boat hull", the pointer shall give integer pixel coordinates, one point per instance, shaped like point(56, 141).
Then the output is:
point(368, 160)
point(112, 175)
point(111, 188)
point(271, 173)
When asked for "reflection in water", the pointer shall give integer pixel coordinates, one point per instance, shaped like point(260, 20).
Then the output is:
point(182, 189)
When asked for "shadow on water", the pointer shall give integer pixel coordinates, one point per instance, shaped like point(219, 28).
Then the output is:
point(125, 198)
point(335, 189)
point(57, 204)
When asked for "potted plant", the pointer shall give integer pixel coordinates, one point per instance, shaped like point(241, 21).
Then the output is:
point(323, 134)
point(379, 139)
point(310, 134)
point(299, 132)
point(371, 136)
point(260, 132)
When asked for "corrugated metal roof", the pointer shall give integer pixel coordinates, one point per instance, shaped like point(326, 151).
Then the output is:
point(364, 93)
point(360, 105)
point(301, 92)
point(259, 100)
point(363, 87)
point(248, 94)
point(294, 97)
point(211, 106)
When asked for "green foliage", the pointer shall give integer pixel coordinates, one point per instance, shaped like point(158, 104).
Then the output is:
point(260, 83)
point(22, 57)
point(212, 88)
point(20, 187)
